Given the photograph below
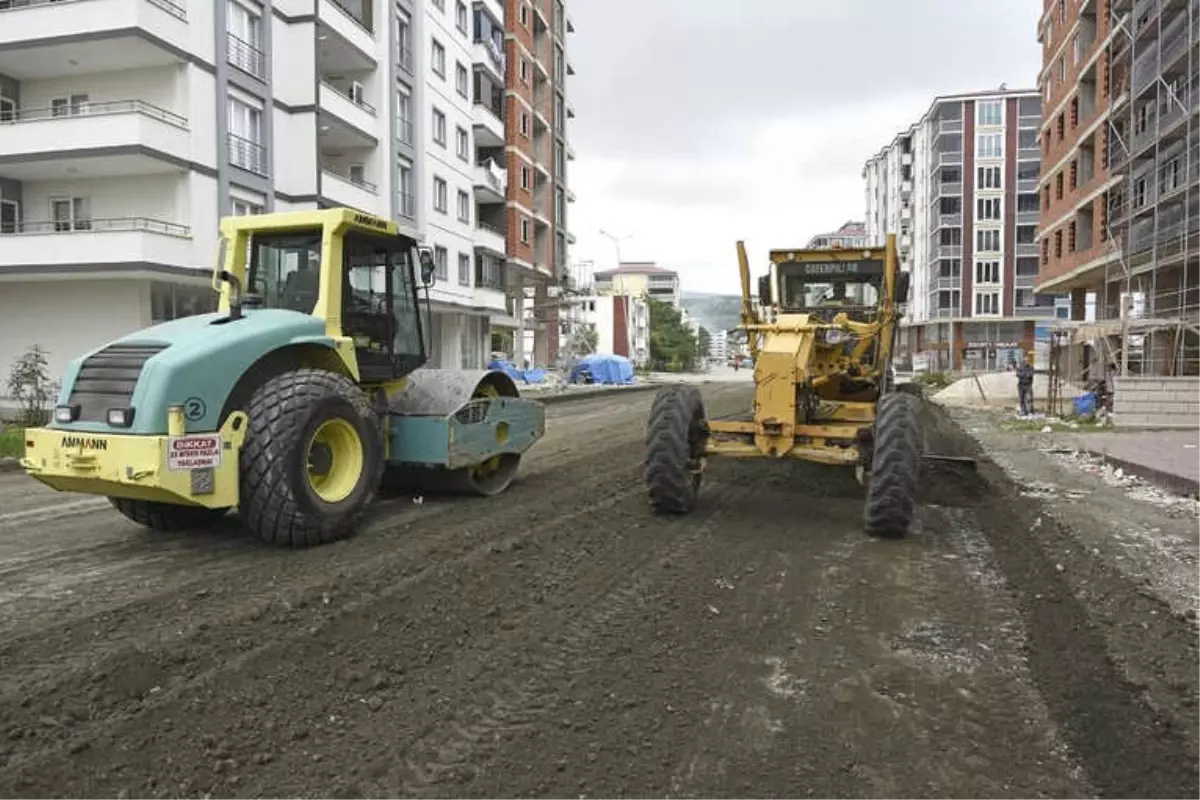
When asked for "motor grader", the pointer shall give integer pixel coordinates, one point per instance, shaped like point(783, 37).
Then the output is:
point(824, 387)
point(293, 402)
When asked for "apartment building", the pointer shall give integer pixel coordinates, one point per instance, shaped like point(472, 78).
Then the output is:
point(128, 127)
point(638, 279)
point(959, 188)
point(1120, 190)
point(851, 234)
point(537, 152)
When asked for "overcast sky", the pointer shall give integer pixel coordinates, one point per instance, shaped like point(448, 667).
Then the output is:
point(700, 122)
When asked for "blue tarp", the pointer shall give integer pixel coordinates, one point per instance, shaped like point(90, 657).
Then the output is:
point(510, 369)
point(1085, 404)
point(603, 369)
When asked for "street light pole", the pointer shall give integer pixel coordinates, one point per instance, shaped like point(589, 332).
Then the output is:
point(616, 240)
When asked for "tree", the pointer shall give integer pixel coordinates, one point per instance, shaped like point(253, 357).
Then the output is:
point(30, 385)
point(672, 344)
point(584, 341)
point(703, 343)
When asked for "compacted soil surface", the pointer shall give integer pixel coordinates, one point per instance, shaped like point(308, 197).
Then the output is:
point(561, 640)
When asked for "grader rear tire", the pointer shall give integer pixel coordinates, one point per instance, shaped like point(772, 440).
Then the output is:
point(674, 447)
point(168, 517)
point(895, 467)
point(313, 459)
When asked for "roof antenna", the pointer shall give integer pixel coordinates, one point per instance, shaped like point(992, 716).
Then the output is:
point(1003, 87)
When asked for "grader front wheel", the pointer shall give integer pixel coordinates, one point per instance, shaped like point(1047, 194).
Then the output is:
point(675, 449)
point(895, 467)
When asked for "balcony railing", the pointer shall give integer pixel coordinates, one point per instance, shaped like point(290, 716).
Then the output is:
point(941, 284)
point(1029, 154)
point(1028, 217)
point(90, 109)
point(91, 225)
point(948, 251)
point(947, 220)
point(945, 313)
point(404, 129)
point(1025, 250)
point(363, 104)
point(948, 188)
point(172, 8)
point(1027, 185)
point(247, 154)
point(951, 157)
point(495, 111)
point(949, 126)
point(245, 56)
point(404, 58)
point(489, 273)
point(361, 183)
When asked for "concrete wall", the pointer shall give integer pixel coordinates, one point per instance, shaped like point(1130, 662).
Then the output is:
point(1157, 402)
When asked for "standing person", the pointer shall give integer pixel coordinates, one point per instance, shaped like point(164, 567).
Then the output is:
point(1025, 385)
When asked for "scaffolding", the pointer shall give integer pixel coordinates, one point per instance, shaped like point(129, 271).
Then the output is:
point(1152, 211)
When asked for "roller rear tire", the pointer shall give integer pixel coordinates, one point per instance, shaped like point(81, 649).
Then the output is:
point(168, 517)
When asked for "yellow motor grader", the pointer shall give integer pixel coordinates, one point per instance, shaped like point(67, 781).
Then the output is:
point(821, 337)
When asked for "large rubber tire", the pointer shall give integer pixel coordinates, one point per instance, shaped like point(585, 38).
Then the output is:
point(168, 516)
point(895, 467)
point(279, 503)
point(674, 443)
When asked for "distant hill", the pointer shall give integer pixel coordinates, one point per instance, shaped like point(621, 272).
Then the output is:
point(715, 312)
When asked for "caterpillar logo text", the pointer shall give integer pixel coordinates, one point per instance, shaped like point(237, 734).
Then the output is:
point(84, 443)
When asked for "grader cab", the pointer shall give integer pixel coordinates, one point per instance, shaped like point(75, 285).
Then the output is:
point(293, 402)
point(824, 387)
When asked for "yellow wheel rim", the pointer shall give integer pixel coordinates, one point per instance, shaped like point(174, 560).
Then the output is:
point(492, 464)
point(335, 460)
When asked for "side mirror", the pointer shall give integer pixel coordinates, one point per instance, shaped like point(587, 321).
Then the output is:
point(903, 283)
point(428, 267)
point(764, 290)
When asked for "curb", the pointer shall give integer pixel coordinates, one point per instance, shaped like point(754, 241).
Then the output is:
point(588, 394)
point(1160, 478)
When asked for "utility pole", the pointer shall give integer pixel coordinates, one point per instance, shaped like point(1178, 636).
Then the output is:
point(616, 240)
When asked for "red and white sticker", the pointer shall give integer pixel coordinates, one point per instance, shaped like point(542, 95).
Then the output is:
point(197, 451)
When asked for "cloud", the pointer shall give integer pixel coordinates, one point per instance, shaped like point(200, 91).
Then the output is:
point(704, 121)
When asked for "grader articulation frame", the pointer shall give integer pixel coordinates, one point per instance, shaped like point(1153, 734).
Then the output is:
point(824, 386)
point(292, 402)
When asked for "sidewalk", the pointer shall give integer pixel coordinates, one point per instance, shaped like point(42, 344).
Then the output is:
point(1170, 459)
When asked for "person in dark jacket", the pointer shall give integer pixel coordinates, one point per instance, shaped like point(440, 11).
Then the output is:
point(1025, 386)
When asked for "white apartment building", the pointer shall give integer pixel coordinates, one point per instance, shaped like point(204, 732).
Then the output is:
point(621, 322)
point(959, 188)
point(128, 127)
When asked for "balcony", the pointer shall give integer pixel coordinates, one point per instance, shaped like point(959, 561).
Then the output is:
point(948, 126)
point(119, 34)
point(127, 137)
point(906, 187)
point(490, 56)
point(348, 106)
point(1026, 250)
point(248, 154)
point(490, 239)
point(947, 220)
point(1029, 121)
point(1029, 154)
point(349, 26)
point(945, 312)
point(350, 191)
point(489, 272)
point(491, 182)
point(947, 189)
point(940, 283)
point(906, 159)
point(947, 251)
point(1028, 217)
point(1027, 185)
point(950, 157)
point(97, 242)
point(488, 122)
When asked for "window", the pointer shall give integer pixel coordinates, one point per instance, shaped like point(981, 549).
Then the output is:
point(404, 126)
point(1076, 49)
point(987, 303)
point(524, 15)
point(439, 127)
point(403, 40)
point(989, 112)
point(524, 123)
point(245, 137)
point(989, 145)
point(460, 15)
point(987, 209)
point(524, 71)
point(464, 206)
point(244, 208)
point(462, 143)
point(988, 178)
point(438, 59)
point(464, 269)
point(439, 195)
point(460, 78)
point(404, 189)
point(526, 178)
point(69, 106)
point(441, 262)
point(244, 42)
point(440, 5)
point(525, 231)
point(987, 272)
point(71, 213)
point(987, 241)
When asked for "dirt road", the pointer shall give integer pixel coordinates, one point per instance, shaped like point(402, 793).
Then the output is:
point(561, 641)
